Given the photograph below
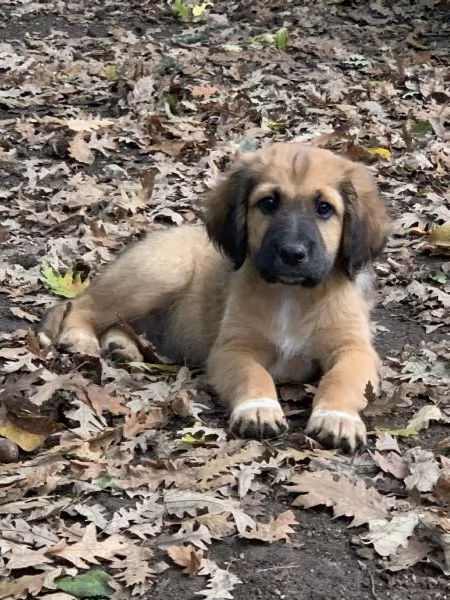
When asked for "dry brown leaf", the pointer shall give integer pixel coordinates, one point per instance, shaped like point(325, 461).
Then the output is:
point(135, 423)
point(278, 528)
point(391, 463)
point(388, 536)
point(135, 569)
point(27, 584)
point(20, 556)
point(101, 400)
point(423, 469)
point(88, 549)
point(204, 91)
point(415, 551)
point(188, 533)
point(186, 556)
point(221, 582)
point(80, 151)
point(217, 466)
point(181, 502)
point(346, 498)
point(22, 314)
point(218, 525)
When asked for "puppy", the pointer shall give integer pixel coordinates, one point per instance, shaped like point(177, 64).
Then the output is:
point(281, 293)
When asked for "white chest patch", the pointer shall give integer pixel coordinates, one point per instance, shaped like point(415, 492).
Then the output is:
point(288, 341)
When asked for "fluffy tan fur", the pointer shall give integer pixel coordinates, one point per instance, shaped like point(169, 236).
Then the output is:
point(249, 332)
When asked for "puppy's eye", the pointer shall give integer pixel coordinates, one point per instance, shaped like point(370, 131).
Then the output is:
point(324, 209)
point(269, 204)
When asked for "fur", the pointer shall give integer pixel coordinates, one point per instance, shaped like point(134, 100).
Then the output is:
point(282, 291)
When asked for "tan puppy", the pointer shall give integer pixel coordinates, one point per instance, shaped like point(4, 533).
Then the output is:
point(287, 295)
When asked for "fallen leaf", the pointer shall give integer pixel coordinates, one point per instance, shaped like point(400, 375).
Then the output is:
point(22, 314)
point(186, 556)
point(181, 502)
point(391, 463)
point(68, 285)
point(346, 498)
point(423, 469)
point(387, 536)
point(440, 236)
point(383, 152)
point(88, 549)
point(414, 551)
point(80, 151)
point(24, 439)
point(92, 584)
point(221, 582)
point(278, 528)
point(421, 419)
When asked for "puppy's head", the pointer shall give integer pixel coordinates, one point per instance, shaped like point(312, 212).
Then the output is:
point(297, 213)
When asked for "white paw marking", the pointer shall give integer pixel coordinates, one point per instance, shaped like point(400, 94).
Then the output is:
point(324, 413)
point(44, 340)
point(256, 403)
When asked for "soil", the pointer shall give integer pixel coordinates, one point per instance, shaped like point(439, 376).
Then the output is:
point(324, 559)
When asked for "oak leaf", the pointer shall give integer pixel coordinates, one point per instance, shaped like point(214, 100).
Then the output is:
point(276, 529)
point(388, 536)
point(80, 151)
point(186, 556)
point(220, 584)
point(347, 499)
point(181, 502)
point(86, 551)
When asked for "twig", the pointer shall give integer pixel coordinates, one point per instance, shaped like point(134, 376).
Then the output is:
point(278, 568)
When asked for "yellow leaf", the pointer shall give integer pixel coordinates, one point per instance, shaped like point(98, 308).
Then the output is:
point(404, 433)
point(440, 236)
point(68, 285)
point(111, 72)
point(199, 9)
point(24, 439)
point(383, 152)
point(190, 439)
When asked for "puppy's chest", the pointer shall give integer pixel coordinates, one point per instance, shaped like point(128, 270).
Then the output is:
point(291, 336)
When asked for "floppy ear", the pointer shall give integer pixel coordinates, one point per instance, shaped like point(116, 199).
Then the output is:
point(366, 222)
point(226, 214)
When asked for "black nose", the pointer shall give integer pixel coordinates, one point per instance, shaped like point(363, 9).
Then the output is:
point(293, 254)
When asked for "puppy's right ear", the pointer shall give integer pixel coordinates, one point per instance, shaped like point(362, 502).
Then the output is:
point(225, 213)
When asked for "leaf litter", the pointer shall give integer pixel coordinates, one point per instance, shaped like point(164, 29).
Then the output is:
point(110, 474)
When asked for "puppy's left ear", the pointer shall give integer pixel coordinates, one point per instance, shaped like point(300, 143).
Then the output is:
point(366, 222)
point(225, 213)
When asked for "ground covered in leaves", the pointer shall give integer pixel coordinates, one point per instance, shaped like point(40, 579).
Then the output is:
point(120, 480)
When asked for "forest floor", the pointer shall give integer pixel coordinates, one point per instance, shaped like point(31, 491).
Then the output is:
point(115, 118)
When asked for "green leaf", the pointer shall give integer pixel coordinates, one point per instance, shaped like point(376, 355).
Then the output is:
point(173, 103)
point(439, 277)
point(68, 285)
point(420, 128)
point(281, 38)
point(182, 10)
point(93, 584)
point(277, 125)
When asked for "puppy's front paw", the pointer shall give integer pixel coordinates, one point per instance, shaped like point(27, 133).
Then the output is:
point(77, 341)
point(337, 428)
point(260, 418)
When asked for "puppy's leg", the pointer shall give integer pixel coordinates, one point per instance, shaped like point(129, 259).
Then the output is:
point(145, 277)
point(119, 345)
point(238, 373)
point(335, 418)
